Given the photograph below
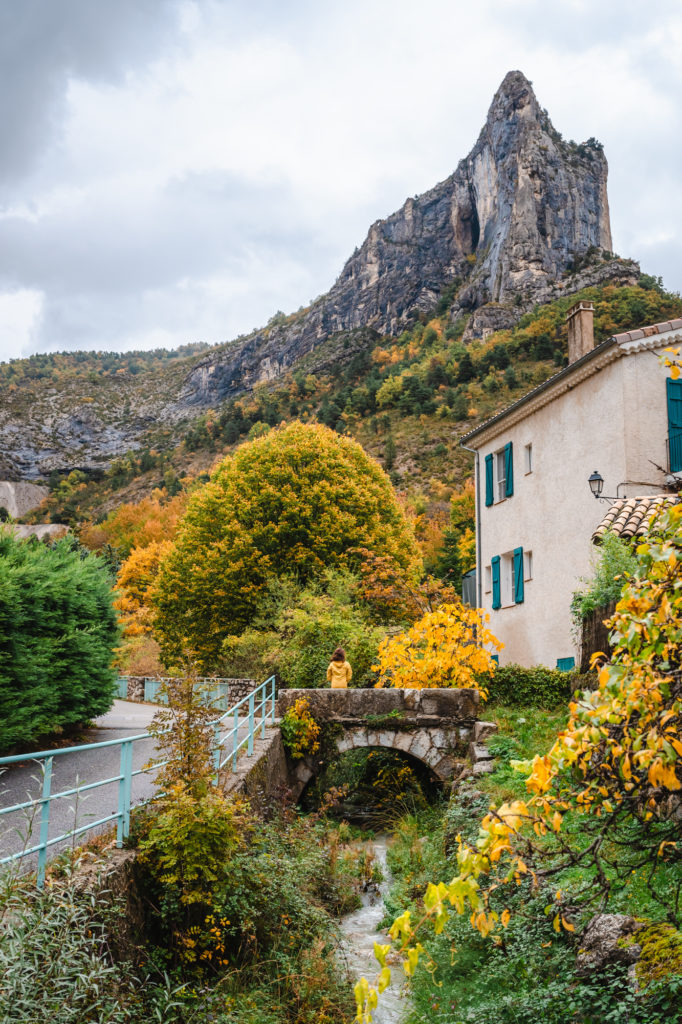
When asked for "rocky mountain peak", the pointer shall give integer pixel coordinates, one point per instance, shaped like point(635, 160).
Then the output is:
point(506, 225)
point(515, 97)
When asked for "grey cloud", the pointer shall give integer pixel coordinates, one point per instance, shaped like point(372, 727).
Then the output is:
point(45, 42)
point(146, 241)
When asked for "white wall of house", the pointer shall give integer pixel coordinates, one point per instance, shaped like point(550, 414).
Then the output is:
point(613, 420)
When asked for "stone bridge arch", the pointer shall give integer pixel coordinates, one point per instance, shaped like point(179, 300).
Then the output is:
point(435, 727)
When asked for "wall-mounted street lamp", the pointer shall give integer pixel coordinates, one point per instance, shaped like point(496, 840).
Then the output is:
point(596, 482)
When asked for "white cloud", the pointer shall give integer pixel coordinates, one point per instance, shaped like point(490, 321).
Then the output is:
point(229, 165)
point(20, 313)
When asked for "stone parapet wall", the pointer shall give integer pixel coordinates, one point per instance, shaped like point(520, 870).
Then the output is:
point(458, 707)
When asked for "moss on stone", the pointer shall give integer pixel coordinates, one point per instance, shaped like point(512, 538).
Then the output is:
point(661, 955)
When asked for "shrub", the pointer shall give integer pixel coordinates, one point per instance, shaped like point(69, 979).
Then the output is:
point(615, 564)
point(315, 626)
point(300, 731)
point(58, 630)
point(299, 500)
point(189, 842)
point(55, 963)
point(297, 630)
point(539, 686)
point(444, 648)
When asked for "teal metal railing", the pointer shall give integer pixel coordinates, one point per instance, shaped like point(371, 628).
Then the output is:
point(249, 715)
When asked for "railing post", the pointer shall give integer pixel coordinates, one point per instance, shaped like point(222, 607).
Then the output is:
point(121, 797)
point(235, 739)
point(272, 707)
point(216, 755)
point(252, 701)
point(127, 785)
point(262, 689)
point(44, 821)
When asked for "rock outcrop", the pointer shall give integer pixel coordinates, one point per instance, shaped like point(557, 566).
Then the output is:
point(508, 229)
point(19, 498)
point(507, 225)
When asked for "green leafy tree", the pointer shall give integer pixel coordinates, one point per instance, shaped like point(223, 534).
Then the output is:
point(58, 630)
point(297, 501)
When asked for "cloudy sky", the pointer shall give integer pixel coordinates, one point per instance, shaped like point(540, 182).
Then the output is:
point(178, 170)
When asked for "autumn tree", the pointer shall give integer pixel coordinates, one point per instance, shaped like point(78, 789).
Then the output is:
point(136, 524)
point(458, 555)
point(136, 578)
point(296, 501)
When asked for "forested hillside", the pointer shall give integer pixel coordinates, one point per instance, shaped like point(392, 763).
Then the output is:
point(406, 399)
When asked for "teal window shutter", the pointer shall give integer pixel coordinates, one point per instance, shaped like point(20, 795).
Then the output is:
point(509, 469)
point(495, 565)
point(674, 396)
point(518, 575)
point(565, 664)
point(489, 492)
point(495, 658)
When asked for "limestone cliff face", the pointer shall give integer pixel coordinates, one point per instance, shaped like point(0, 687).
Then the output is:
point(503, 230)
point(506, 223)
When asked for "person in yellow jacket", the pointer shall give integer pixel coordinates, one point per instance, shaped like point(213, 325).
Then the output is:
point(339, 673)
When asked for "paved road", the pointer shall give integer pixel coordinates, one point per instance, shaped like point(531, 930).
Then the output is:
point(21, 782)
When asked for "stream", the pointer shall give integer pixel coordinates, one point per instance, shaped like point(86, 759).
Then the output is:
point(360, 931)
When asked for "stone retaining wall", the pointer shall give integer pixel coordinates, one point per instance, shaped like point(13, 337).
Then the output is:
point(236, 688)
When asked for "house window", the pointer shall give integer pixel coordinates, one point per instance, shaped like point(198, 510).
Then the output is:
point(499, 475)
point(528, 458)
point(507, 578)
point(528, 565)
point(488, 579)
point(501, 467)
point(674, 396)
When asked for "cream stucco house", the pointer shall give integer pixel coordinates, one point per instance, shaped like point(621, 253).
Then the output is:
point(613, 409)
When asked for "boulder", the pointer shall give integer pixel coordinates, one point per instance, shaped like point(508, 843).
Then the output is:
point(602, 945)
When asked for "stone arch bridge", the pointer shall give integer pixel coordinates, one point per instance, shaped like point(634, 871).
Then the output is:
point(438, 727)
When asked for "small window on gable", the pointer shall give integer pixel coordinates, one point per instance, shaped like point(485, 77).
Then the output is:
point(528, 565)
point(488, 579)
point(528, 453)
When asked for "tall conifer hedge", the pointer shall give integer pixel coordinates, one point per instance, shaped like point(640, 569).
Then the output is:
point(58, 629)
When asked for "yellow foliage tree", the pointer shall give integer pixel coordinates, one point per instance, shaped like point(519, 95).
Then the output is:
point(444, 648)
point(297, 501)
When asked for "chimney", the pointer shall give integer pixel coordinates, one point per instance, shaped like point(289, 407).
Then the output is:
point(580, 320)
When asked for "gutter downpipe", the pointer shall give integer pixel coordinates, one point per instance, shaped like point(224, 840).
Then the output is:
point(479, 581)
